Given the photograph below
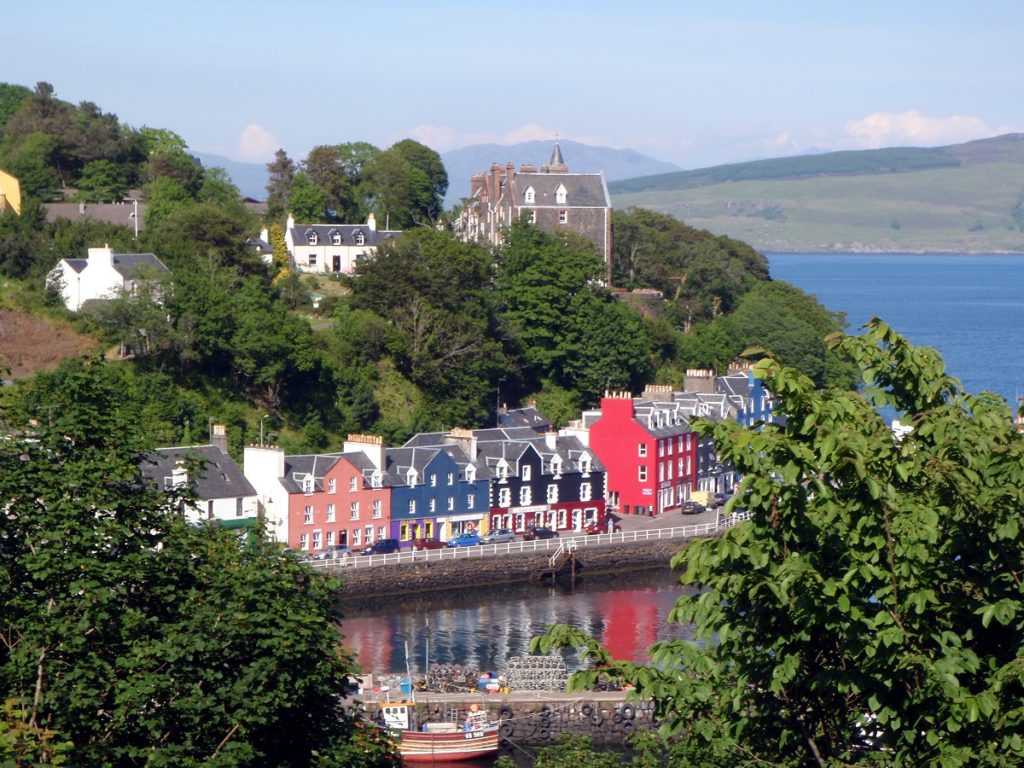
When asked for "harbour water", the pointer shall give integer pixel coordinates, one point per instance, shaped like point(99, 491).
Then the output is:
point(968, 306)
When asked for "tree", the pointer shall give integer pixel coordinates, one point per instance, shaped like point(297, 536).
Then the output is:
point(306, 200)
point(324, 168)
point(871, 610)
point(429, 162)
point(401, 194)
point(280, 173)
point(132, 637)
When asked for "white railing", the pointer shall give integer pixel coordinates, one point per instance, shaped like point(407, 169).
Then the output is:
point(567, 539)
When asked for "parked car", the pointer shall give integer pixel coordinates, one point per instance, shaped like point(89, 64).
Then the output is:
point(539, 533)
point(605, 526)
point(721, 498)
point(429, 544)
point(693, 507)
point(467, 539)
point(381, 547)
point(333, 552)
point(499, 536)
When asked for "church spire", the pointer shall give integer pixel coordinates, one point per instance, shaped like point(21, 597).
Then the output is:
point(556, 164)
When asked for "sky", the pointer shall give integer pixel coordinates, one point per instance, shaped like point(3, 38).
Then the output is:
point(691, 82)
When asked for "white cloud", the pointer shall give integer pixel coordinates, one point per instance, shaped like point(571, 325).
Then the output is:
point(887, 129)
point(257, 143)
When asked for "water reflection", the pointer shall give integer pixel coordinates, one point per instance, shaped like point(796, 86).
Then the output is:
point(482, 628)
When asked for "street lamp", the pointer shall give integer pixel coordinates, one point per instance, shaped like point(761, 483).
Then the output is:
point(265, 415)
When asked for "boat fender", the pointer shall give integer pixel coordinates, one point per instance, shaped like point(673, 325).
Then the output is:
point(628, 726)
point(506, 728)
point(586, 710)
point(597, 718)
point(628, 711)
point(505, 713)
point(616, 717)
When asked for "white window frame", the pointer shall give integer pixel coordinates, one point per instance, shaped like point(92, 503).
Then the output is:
point(308, 514)
point(504, 497)
point(378, 508)
point(353, 510)
point(525, 496)
point(563, 217)
point(330, 513)
point(552, 493)
point(586, 492)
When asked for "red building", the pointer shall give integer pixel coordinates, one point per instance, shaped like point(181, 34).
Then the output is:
point(648, 450)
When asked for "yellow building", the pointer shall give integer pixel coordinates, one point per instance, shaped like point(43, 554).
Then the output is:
point(10, 193)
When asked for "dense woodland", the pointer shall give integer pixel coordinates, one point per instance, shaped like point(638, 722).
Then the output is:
point(432, 332)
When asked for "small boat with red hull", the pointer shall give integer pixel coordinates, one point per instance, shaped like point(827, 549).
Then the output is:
point(474, 738)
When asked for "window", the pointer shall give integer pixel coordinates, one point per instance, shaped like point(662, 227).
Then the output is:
point(471, 500)
point(357, 537)
point(585, 465)
point(563, 217)
point(530, 196)
point(524, 497)
point(451, 503)
point(377, 508)
point(311, 261)
point(336, 239)
point(316, 539)
point(330, 513)
point(642, 474)
point(560, 195)
point(403, 532)
point(525, 472)
point(585, 492)
point(410, 477)
point(307, 484)
point(504, 497)
point(661, 471)
point(303, 541)
point(451, 478)
point(369, 534)
point(412, 506)
point(309, 514)
point(353, 510)
point(433, 480)
point(532, 218)
point(552, 493)
point(471, 474)
point(332, 485)
point(381, 534)
point(433, 505)
point(329, 541)
point(641, 449)
point(556, 466)
point(360, 238)
point(312, 239)
point(680, 467)
point(353, 483)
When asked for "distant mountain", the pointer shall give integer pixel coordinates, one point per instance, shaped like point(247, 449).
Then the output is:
point(616, 164)
point(961, 198)
point(250, 178)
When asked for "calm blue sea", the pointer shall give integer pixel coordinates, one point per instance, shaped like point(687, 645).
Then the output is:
point(969, 307)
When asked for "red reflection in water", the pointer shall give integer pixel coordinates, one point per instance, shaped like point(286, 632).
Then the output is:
point(632, 621)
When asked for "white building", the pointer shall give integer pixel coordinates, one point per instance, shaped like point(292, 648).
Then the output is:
point(333, 248)
point(101, 275)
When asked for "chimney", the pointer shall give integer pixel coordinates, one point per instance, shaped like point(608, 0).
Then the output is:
point(265, 235)
point(372, 446)
point(699, 380)
point(290, 224)
point(551, 439)
point(371, 222)
point(465, 439)
point(104, 256)
point(219, 438)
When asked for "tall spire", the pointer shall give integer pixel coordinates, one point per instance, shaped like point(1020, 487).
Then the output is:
point(556, 164)
point(556, 155)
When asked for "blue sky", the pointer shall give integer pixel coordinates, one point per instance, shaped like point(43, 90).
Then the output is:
point(692, 82)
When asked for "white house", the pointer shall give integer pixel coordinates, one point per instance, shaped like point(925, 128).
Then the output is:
point(101, 274)
point(333, 248)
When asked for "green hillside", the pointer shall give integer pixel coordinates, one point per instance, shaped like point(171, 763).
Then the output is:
point(965, 197)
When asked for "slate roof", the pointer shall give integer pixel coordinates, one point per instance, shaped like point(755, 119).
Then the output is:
point(525, 417)
point(316, 465)
point(325, 234)
point(77, 264)
point(134, 265)
point(221, 477)
point(583, 190)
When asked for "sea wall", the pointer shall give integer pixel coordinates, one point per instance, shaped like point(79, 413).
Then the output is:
point(607, 719)
point(430, 575)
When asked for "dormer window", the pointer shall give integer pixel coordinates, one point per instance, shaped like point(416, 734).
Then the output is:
point(307, 484)
point(530, 196)
point(585, 464)
point(336, 239)
point(360, 238)
point(470, 474)
point(312, 239)
point(556, 466)
point(410, 477)
point(376, 479)
point(560, 195)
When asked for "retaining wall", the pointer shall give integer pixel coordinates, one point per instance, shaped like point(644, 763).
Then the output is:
point(431, 575)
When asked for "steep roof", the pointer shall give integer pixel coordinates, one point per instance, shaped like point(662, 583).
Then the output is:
point(347, 232)
point(135, 265)
point(220, 478)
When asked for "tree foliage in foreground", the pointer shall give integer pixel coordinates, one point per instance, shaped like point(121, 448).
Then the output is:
point(871, 611)
point(128, 637)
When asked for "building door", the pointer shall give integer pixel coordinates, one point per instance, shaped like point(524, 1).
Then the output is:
point(337, 263)
point(577, 519)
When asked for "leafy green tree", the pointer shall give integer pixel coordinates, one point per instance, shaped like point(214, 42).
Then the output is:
point(218, 188)
point(325, 169)
point(11, 98)
point(31, 161)
point(429, 162)
point(136, 638)
point(401, 194)
point(22, 250)
point(306, 200)
point(871, 610)
point(103, 181)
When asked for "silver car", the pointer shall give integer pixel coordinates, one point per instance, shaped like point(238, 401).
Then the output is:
point(498, 536)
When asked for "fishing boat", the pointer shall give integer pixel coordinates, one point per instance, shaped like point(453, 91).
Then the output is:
point(475, 737)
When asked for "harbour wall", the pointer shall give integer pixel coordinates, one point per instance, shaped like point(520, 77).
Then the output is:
point(432, 575)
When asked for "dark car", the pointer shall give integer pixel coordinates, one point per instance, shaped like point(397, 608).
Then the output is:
point(721, 498)
point(467, 539)
point(693, 508)
point(429, 544)
point(382, 547)
point(539, 533)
